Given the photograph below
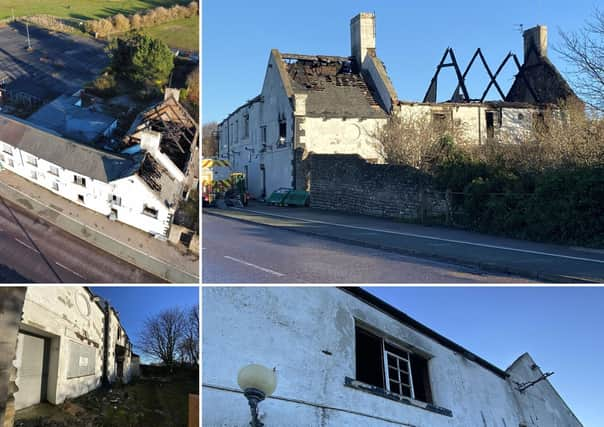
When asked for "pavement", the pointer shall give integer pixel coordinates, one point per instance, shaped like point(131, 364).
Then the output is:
point(243, 252)
point(129, 244)
point(33, 250)
point(537, 261)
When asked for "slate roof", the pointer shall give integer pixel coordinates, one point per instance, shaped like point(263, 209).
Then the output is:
point(48, 145)
point(80, 124)
point(333, 86)
point(544, 79)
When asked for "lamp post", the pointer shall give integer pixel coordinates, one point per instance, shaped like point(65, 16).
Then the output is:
point(257, 382)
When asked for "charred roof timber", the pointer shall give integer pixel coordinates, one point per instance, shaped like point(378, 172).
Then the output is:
point(537, 81)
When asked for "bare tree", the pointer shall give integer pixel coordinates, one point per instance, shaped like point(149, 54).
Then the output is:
point(189, 347)
point(163, 334)
point(584, 51)
point(209, 137)
point(416, 141)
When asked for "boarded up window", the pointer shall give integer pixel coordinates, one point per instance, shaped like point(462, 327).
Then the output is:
point(82, 360)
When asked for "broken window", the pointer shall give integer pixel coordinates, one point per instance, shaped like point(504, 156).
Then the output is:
point(263, 134)
point(81, 198)
point(150, 211)
point(246, 125)
point(31, 160)
point(116, 200)
point(80, 180)
point(7, 149)
point(389, 366)
point(53, 170)
point(282, 132)
point(493, 119)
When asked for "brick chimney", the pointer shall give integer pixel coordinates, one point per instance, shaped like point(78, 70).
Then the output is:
point(362, 36)
point(535, 44)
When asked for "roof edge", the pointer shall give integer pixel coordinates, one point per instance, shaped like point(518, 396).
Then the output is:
point(405, 319)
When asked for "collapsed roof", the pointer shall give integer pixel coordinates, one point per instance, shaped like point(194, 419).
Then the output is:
point(178, 130)
point(334, 86)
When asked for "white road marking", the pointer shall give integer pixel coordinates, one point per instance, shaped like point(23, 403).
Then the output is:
point(423, 236)
point(70, 270)
point(27, 246)
point(249, 264)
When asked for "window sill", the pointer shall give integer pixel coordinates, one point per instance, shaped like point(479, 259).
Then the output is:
point(349, 382)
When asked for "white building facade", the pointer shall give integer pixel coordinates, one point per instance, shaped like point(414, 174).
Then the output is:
point(111, 184)
point(345, 358)
point(69, 343)
point(334, 105)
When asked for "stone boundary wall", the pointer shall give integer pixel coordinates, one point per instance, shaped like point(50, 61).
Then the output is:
point(346, 182)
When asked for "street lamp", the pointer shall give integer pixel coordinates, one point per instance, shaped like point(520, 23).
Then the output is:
point(257, 383)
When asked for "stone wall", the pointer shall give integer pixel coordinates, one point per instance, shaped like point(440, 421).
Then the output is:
point(348, 183)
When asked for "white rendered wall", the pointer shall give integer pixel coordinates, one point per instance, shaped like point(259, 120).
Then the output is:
point(65, 314)
point(97, 194)
point(291, 329)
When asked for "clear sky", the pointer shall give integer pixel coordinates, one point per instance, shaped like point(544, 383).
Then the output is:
point(411, 39)
point(136, 303)
point(561, 328)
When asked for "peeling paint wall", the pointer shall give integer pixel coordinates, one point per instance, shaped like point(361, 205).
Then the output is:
point(308, 335)
point(69, 319)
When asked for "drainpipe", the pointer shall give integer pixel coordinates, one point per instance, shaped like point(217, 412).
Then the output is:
point(105, 377)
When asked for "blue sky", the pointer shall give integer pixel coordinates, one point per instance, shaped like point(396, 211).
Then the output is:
point(411, 39)
point(136, 303)
point(562, 329)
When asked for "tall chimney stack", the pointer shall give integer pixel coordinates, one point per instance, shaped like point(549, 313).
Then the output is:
point(362, 37)
point(535, 44)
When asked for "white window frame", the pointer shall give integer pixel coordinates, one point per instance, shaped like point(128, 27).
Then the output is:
point(79, 180)
point(53, 170)
point(33, 175)
point(402, 363)
point(145, 208)
point(55, 185)
point(31, 160)
point(7, 149)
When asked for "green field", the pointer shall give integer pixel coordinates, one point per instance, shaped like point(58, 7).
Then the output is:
point(79, 9)
point(181, 33)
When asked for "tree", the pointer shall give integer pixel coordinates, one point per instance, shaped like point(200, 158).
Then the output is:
point(584, 51)
point(121, 23)
point(189, 348)
point(209, 136)
point(163, 334)
point(418, 142)
point(142, 60)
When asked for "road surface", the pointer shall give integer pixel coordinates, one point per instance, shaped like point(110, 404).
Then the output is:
point(32, 250)
point(239, 252)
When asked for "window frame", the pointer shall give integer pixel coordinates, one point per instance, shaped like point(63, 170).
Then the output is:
point(147, 211)
point(78, 178)
point(31, 160)
point(52, 168)
point(7, 149)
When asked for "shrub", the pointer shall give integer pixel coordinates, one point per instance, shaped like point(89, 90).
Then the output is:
point(121, 24)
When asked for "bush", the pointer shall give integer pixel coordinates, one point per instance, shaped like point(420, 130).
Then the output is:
point(121, 24)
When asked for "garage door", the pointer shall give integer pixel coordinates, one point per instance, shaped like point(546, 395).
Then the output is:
point(30, 371)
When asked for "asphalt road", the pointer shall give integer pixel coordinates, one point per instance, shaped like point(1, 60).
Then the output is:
point(32, 250)
point(239, 252)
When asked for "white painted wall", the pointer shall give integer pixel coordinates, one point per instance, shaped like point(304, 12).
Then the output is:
point(134, 193)
point(290, 328)
point(341, 136)
point(64, 315)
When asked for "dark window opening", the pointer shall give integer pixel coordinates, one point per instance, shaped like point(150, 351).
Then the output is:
point(263, 134)
point(387, 366)
point(490, 124)
point(369, 358)
point(81, 198)
point(150, 211)
point(246, 126)
point(80, 180)
point(282, 132)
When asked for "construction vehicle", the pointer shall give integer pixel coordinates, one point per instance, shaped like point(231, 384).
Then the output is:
point(218, 181)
